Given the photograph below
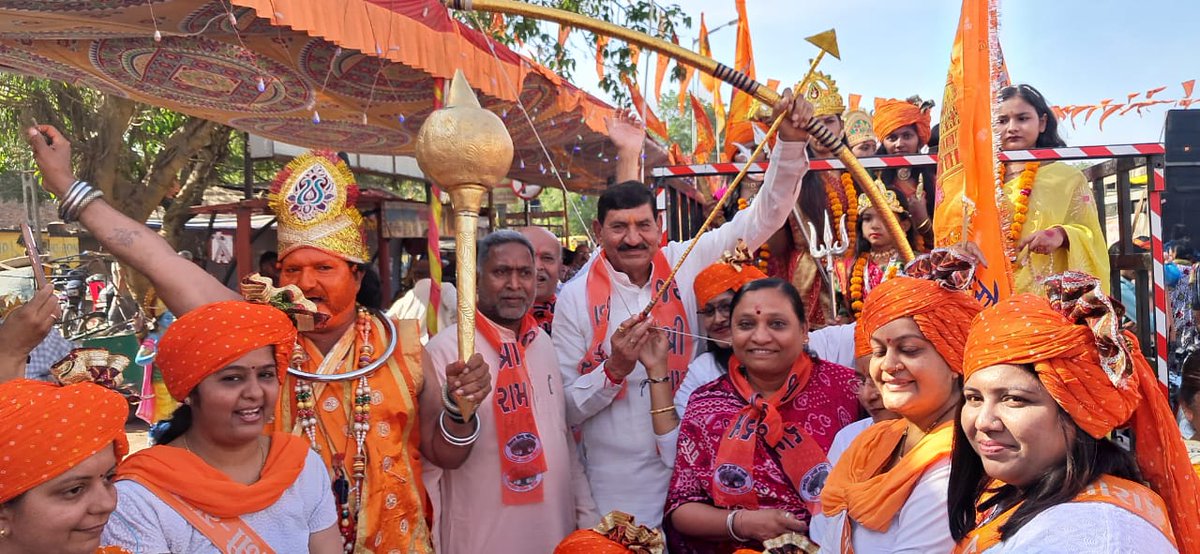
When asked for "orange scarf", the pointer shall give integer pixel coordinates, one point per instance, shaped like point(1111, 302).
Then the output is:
point(668, 312)
point(1119, 492)
point(524, 461)
point(203, 487)
point(733, 480)
point(870, 496)
point(543, 313)
point(1097, 373)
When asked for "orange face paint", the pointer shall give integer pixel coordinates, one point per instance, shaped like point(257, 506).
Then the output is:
point(325, 279)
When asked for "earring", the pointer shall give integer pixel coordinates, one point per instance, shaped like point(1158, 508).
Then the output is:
point(3, 533)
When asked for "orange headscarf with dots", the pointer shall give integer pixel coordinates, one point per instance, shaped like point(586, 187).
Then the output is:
point(209, 338)
point(1097, 373)
point(891, 115)
point(47, 429)
point(933, 296)
point(720, 277)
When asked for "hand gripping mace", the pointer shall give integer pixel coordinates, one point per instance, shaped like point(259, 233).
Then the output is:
point(826, 41)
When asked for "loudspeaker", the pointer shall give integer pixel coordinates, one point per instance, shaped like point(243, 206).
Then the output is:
point(1182, 171)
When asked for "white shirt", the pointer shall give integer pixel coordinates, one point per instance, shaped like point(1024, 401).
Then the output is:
point(843, 438)
point(922, 526)
point(143, 524)
point(415, 302)
point(834, 344)
point(621, 454)
point(1086, 528)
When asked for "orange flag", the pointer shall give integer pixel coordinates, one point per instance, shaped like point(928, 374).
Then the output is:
point(967, 155)
point(563, 32)
point(1109, 110)
point(710, 83)
point(1150, 93)
point(705, 141)
point(653, 123)
point(741, 103)
point(601, 44)
point(1187, 88)
point(684, 84)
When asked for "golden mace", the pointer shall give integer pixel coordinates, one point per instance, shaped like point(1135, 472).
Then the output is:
point(465, 150)
point(827, 42)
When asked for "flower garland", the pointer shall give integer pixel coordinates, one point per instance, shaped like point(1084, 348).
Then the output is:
point(1021, 203)
point(857, 282)
point(851, 208)
point(764, 252)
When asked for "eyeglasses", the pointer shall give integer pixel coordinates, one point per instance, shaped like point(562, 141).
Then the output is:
point(857, 385)
point(724, 308)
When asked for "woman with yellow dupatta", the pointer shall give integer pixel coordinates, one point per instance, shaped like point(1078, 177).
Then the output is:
point(887, 492)
point(1052, 224)
point(215, 482)
point(1039, 464)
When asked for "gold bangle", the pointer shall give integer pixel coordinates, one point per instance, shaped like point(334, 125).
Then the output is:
point(670, 408)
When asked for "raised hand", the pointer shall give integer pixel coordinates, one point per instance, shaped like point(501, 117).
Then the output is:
point(469, 380)
point(626, 132)
point(627, 343)
point(24, 329)
point(799, 111)
point(54, 159)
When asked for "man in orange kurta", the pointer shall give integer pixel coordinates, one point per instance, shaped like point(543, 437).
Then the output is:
point(321, 249)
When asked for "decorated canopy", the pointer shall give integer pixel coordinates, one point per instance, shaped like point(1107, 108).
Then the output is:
point(356, 75)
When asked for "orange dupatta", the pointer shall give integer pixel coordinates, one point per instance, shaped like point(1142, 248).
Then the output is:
point(668, 312)
point(184, 474)
point(760, 419)
point(522, 460)
point(870, 496)
point(1122, 493)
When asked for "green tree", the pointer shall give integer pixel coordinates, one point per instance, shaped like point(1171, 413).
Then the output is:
point(644, 16)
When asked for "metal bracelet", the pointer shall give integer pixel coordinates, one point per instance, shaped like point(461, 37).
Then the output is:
point(83, 203)
point(392, 337)
point(76, 191)
point(729, 526)
point(458, 441)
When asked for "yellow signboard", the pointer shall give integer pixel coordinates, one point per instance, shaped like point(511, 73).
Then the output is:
point(55, 247)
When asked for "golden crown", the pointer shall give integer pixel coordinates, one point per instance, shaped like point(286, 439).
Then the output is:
point(864, 201)
point(315, 199)
point(824, 96)
point(859, 128)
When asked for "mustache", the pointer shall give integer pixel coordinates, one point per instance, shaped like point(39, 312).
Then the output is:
point(626, 248)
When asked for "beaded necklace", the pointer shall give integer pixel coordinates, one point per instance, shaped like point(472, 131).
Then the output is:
point(360, 423)
point(858, 278)
point(851, 208)
point(1020, 206)
point(763, 254)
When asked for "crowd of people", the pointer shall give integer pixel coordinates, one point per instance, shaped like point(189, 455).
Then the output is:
point(875, 408)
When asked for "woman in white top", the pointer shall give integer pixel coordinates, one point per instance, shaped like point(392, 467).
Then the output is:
point(216, 482)
point(1036, 465)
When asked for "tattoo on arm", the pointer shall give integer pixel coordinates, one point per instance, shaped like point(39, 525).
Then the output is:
point(123, 237)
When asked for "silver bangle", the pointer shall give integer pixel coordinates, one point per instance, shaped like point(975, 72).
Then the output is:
point(458, 441)
point(729, 526)
point(90, 197)
point(76, 191)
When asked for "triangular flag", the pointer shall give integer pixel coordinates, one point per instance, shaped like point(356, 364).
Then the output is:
point(601, 44)
point(1107, 112)
point(705, 139)
point(1150, 93)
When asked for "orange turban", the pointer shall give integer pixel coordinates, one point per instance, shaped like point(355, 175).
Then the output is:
point(207, 339)
point(891, 115)
point(1098, 375)
point(617, 533)
point(47, 429)
point(933, 296)
point(722, 276)
point(743, 133)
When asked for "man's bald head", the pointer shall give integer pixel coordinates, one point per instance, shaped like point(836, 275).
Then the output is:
point(548, 258)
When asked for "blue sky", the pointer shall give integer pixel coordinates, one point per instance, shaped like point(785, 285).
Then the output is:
point(1074, 51)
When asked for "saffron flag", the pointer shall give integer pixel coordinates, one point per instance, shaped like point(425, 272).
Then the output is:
point(653, 123)
point(710, 83)
point(601, 44)
point(741, 104)
point(705, 141)
point(969, 189)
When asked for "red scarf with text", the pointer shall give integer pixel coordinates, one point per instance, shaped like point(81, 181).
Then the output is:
point(543, 313)
point(522, 459)
point(668, 312)
point(799, 453)
point(1133, 497)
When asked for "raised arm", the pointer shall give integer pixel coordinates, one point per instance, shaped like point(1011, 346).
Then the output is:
point(182, 285)
point(25, 328)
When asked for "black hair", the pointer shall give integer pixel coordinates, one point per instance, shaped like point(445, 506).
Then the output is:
point(370, 289)
point(623, 196)
point(1048, 138)
point(1189, 384)
point(1087, 459)
point(910, 235)
point(772, 283)
point(175, 426)
point(935, 136)
point(270, 256)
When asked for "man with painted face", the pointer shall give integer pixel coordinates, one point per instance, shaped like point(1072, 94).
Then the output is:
point(547, 253)
point(522, 476)
point(599, 339)
point(356, 406)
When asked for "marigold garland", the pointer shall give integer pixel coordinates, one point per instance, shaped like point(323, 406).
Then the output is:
point(1021, 203)
point(764, 252)
point(857, 282)
point(851, 208)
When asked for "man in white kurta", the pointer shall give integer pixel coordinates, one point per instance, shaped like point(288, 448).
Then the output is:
point(469, 511)
point(620, 449)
